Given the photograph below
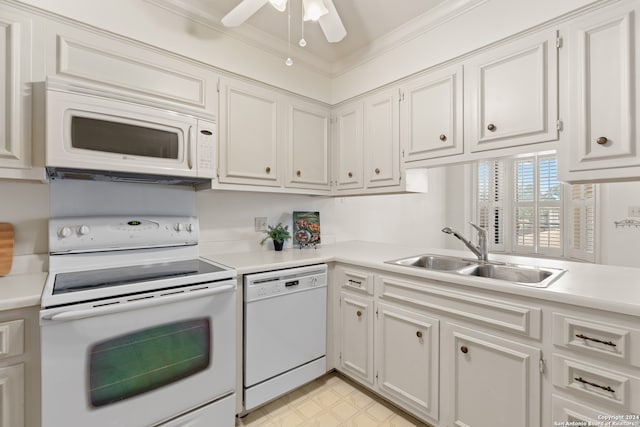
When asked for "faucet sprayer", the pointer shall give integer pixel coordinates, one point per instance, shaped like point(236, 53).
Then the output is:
point(480, 250)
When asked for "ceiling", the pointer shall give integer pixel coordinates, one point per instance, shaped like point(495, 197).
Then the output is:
point(365, 21)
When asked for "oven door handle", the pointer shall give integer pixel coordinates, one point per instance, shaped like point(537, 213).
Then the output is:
point(135, 305)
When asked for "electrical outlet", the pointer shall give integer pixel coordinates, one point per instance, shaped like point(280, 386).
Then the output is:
point(634, 211)
point(260, 223)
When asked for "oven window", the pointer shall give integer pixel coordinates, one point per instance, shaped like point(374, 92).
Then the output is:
point(145, 360)
point(121, 138)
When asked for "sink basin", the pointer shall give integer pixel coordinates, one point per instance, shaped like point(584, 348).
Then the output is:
point(433, 262)
point(525, 275)
point(539, 277)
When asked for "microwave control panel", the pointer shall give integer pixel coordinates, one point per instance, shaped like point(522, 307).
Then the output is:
point(206, 137)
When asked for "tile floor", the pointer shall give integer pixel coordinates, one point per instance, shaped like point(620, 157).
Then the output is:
point(329, 401)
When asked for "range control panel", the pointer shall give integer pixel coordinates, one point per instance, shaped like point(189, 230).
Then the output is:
point(103, 233)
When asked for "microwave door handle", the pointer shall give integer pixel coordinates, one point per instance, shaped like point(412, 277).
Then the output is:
point(118, 308)
point(189, 150)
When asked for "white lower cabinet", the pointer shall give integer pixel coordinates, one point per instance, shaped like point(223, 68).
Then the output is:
point(356, 341)
point(406, 345)
point(488, 380)
point(12, 396)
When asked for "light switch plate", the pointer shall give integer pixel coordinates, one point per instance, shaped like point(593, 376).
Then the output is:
point(260, 223)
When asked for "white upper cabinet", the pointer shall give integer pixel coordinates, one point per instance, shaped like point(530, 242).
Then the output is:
point(15, 89)
point(348, 138)
point(249, 131)
point(308, 146)
point(511, 94)
point(382, 139)
point(431, 115)
point(603, 94)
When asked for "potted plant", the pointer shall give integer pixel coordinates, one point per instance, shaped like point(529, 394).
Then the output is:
point(278, 234)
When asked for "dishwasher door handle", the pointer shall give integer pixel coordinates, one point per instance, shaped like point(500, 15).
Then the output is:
point(135, 305)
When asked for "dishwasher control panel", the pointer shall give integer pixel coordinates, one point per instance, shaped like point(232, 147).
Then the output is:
point(274, 283)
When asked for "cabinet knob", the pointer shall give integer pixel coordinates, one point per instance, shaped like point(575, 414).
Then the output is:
point(464, 349)
point(377, 171)
point(491, 127)
point(443, 137)
point(267, 169)
point(602, 140)
point(419, 334)
point(298, 173)
point(350, 174)
point(358, 313)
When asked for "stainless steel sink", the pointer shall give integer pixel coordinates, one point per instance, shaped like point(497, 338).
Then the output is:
point(433, 262)
point(525, 275)
point(539, 277)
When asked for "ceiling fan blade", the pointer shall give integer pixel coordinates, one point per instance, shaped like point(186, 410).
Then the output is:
point(331, 23)
point(242, 12)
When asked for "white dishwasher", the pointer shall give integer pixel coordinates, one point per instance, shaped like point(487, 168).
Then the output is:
point(285, 330)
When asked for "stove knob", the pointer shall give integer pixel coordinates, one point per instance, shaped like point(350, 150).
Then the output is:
point(83, 230)
point(178, 227)
point(190, 228)
point(64, 232)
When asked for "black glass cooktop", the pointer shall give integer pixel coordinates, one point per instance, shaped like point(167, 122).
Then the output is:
point(94, 279)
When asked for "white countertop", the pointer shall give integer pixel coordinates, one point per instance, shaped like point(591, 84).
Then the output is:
point(603, 287)
point(610, 288)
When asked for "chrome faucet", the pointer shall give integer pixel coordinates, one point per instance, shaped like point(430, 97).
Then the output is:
point(480, 250)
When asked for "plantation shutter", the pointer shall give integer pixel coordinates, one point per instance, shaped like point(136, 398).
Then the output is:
point(524, 204)
point(549, 207)
point(490, 202)
point(582, 222)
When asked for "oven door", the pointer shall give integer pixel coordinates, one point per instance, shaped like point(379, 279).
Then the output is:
point(138, 363)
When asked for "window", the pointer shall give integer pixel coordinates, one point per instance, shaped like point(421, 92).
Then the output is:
point(519, 201)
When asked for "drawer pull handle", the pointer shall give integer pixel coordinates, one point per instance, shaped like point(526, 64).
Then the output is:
point(355, 282)
point(358, 313)
point(584, 337)
point(583, 381)
point(419, 334)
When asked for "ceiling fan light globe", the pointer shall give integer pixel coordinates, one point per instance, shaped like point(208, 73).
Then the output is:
point(314, 9)
point(279, 5)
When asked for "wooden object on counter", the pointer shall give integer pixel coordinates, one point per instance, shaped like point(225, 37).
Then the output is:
point(6, 248)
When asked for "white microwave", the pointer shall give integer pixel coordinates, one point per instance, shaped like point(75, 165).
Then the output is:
point(90, 130)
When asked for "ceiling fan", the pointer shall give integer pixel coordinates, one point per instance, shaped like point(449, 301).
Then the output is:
point(323, 11)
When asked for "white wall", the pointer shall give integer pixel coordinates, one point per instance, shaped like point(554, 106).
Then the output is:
point(619, 246)
point(25, 205)
point(226, 218)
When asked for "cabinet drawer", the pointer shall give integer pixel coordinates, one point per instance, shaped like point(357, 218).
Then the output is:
point(507, 316)
point(566, 411)
point(11, 338)
point(355, 280)
point(589, 337)
point(596, 384)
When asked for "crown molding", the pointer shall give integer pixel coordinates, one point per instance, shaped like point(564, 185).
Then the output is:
point(413, 29)
point(261, 40)
point(247, 34)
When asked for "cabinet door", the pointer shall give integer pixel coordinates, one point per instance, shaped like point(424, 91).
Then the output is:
point(603, 50)
point(410, 375)
point(308, 146)
point(356, 341)
point(431, 115)
point(12, 396)
point(382, 140)
point(249, 134)
point(348, 149)
point(15, 106)
point(511, 94)
point(488, 380)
